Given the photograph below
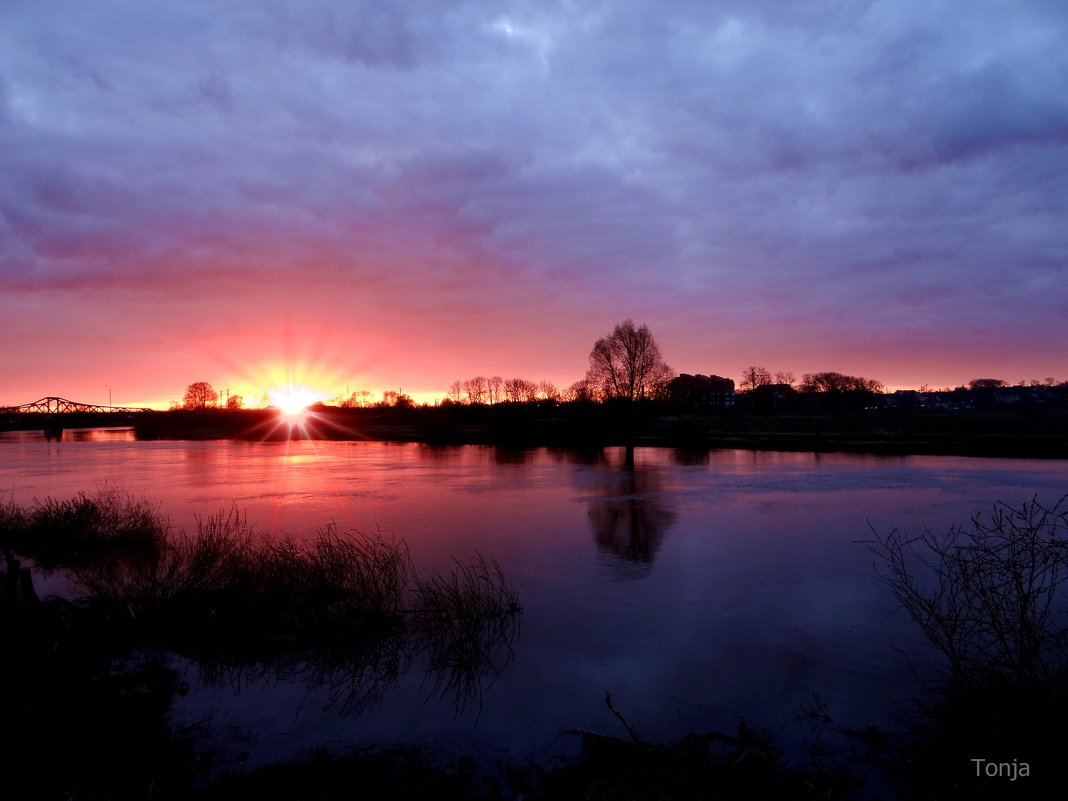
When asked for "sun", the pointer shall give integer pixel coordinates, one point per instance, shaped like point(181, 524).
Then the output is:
point(292, 401)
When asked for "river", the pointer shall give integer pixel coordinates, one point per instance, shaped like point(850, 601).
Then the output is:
point(698, 590)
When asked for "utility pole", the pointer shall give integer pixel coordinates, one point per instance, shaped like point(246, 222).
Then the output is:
point(109, 395)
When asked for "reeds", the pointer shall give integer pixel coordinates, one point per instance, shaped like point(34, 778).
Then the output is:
point(351, 569)
point(344, 609)
point(81, 528)
point(466, 621)
point(227, 587)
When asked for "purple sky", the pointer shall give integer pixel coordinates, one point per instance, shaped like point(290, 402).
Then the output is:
point(399, 195)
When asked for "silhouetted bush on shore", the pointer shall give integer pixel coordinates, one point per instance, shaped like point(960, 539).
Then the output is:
point(991, 598)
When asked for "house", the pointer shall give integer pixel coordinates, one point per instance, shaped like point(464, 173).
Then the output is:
point(702, 393)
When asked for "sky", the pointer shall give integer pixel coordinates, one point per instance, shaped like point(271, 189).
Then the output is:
point(370, 195)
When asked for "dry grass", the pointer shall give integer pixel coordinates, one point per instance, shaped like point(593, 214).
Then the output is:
point(466, 621)
point(229, 586)
point(351, 569)
point(343, 610)
point(81, 528)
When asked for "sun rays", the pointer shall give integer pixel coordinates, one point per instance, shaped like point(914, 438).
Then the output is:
point(293, 401)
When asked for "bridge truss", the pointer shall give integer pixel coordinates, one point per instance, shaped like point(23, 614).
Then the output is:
point(52, 405)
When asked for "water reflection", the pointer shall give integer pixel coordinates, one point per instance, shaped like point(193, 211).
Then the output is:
point(117, 434)
point(345, 613)
point(690, 457)
point(631, 516)
point(760, 542)
point(354, 678)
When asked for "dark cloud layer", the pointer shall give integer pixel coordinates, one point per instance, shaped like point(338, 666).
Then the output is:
point(879, 168)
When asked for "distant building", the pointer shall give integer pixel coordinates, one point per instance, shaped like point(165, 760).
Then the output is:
point(772, 397)
point(701, 393)
point(906, 399)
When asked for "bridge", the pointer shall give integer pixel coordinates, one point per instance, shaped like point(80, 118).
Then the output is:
point(52, 405)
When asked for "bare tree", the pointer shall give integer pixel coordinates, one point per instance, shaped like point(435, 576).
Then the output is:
point(786, 377)
point(627, 363)
point(476, 389)
point(548, 390)
point(530, 391)
point(493, 387)
point(753, 377)
point(200, 395)
point(518, 390)
point(578, 391)
point(990, 596)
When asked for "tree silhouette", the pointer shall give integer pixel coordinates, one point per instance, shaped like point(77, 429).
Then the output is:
point(520, 390)
point(200, 395)
point(548, 390)
point(837, 382)
point(627, 364)
point(477, 389)
point(753, 377)
point(396, 400)
point(577, 392)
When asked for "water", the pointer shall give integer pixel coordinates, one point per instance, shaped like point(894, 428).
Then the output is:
point(698, 591)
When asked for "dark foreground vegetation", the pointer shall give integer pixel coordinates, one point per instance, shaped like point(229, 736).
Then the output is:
point(94, 673)
point(92, 676)
point(992, 598)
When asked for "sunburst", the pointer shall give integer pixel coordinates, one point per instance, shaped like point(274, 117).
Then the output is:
point(293, 401)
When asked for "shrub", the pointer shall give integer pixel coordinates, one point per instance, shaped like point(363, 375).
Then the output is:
point(993, 597)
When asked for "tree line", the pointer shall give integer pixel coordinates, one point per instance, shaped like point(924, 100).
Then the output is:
point(494, 389)
point(202, 395)
point(627, 365)
point(754, 377)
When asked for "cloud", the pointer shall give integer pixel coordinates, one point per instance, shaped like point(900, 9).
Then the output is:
point(743, 156)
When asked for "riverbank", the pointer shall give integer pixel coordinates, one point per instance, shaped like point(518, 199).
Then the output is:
point(1041, 435)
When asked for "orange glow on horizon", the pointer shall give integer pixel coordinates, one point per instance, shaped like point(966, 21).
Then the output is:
point(292, 400)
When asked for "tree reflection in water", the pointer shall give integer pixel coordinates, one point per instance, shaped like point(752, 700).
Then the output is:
point(630, 517)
